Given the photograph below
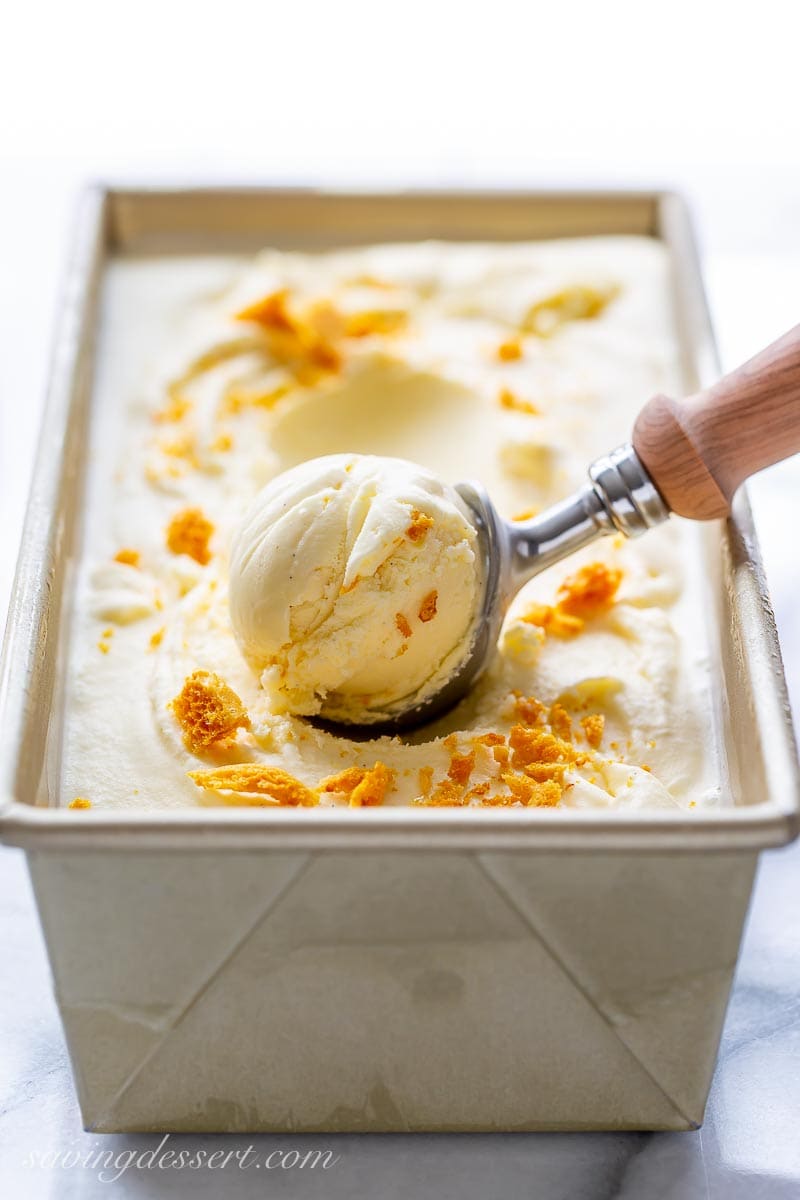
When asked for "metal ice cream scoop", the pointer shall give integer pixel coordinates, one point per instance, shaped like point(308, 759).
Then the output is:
point(686, 457)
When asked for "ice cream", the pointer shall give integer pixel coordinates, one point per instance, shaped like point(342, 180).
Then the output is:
point(517, 365)
point(354, 586)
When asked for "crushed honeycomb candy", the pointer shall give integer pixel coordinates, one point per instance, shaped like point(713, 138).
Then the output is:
point(80, 802)
point(446, 794)
point(510, 400)
point(208, 711)
point(375, 321)
point(490, 739)
point(427, 610)
point(541, 756)
point(560, 722)
point(504, 799)
point(589, 591)
point(255, 784)
point(541, 772)
point(550, 618)
point(345, 781)
point(535, 745)
point(479, 792)
point(532, 793)
point(547, 796)
point(363, 787)
point(222, 443)
point(293, 340)
point(402, 624)
point(325, 356)
point(593, 727)
point(420, 524)
point(510, 350)
point(130, 558)
point(461, 767)
point(528, 709)
point(373, 788)
point(578, 302)
point(271, 311)
point(189, 532)
point(425, 780)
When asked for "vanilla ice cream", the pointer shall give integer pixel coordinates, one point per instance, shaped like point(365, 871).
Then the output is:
point(354, 586)
point(220, 602)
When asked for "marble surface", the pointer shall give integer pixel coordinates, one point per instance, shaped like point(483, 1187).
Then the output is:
point(748, 1146)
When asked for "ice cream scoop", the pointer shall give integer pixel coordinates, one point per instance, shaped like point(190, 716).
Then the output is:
point(686, 457)
point(355, 587)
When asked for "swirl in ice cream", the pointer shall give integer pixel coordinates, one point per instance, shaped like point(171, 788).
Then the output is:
point(354, 586)
point(201, 644)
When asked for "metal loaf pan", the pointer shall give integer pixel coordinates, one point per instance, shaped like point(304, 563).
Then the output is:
point(250, 969)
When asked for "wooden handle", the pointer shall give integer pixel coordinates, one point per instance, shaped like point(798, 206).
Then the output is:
point(700, 449)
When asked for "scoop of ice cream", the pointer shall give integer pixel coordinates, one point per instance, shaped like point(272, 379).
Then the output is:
point(354, 586)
